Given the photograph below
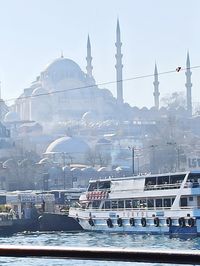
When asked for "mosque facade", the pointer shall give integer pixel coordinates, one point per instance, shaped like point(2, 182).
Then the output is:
point(64, 92)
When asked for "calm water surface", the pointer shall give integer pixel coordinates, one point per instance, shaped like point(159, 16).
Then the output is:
point(87, 239)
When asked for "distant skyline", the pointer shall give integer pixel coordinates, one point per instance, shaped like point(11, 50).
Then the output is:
point(33, 33)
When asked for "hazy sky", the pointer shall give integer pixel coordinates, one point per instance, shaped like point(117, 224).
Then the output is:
point(33, 33)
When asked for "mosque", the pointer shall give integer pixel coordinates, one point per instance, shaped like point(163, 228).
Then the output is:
point(67, 93)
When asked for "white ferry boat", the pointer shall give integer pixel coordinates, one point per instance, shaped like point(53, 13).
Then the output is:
point(152, 204)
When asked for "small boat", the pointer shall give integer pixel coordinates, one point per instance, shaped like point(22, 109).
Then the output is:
point(146, 204)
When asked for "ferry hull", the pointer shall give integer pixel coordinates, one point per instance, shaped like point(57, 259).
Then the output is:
point(101, 226)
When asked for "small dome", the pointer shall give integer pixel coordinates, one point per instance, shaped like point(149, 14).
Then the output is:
point(66, 169)
point(118, 169)
point(103, 169)
point(144, 109)
point(76, 170)
point(103, 141)
point(68, 145)
point(106, 93)
point(12, 117)
point(39, 91)
point(89, 170)
point(45, 161)
point(154, 109)
point(89, 117)
point(10, 163)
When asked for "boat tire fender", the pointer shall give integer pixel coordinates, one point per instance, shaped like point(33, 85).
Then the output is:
point(169, 221)
point(191, 222)
point(120, 222)
point(143, 222)
point(132, 221)
point(156, 221)
point(181, 221)
point(109, 223)
point(91, 222)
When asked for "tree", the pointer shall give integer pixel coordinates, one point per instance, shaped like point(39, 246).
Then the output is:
point(96, 157)
point(175, 100)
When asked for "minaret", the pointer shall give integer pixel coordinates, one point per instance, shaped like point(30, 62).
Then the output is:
point(156, 93)
point(119, 66)
point(89, 59)
point(188, 85)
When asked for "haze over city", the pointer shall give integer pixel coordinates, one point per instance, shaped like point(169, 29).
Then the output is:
point(34, 33)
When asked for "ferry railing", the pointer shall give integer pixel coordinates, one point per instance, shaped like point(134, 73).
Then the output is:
point(171, 186)
point(140, 209)
point(104, 254)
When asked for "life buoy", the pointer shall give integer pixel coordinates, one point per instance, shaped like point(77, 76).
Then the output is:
point(169, 221)
point(109, 223)
point(181, 221)
point(156, 221)
point(132, 221)
point(94, 195)
point(191, 222)
point(106, 195)
point(143, 222)
point(120, 222)
point(91, 222)
point(101, 195)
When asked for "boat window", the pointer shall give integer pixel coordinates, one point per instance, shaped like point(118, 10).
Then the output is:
point(183, 202)
point(162, 180)
point(104, 185)
point(114, 204)
point(92, 187)
point(195, 177)
point(176, 178)
point(190, 198)
point(149, 181)
point(88, 205)
point(167, 202)
point(135, 203)
point(107, 205)
point(143, 203)
point(128, 204)
point(150, 203)
point(121, 204)
point(158, 202)
point(96, 203)
point(195, 184)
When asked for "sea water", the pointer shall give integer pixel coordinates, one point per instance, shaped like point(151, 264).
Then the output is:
point(91, 239)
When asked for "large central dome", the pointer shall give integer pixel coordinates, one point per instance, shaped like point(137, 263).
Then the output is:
point(61, 64)
point(62, 68)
